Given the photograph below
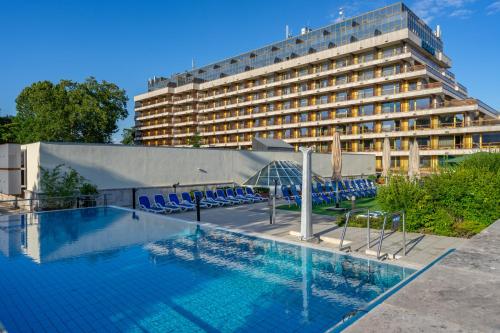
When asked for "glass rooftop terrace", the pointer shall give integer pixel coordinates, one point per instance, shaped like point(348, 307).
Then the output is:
point(380, 21)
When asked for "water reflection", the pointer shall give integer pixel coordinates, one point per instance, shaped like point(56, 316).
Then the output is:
point(46, 237)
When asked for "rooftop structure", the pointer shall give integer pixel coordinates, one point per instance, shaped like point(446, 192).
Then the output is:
point(380, 74)
point(261, 144)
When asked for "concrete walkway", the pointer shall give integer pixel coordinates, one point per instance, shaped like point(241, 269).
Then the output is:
point(254, 219)
point(461, 293)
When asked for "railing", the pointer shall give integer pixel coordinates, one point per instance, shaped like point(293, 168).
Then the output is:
point(348, 217)
point(396, 219)
point(45, 203)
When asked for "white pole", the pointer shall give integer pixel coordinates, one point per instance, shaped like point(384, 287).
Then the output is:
point(306, 210)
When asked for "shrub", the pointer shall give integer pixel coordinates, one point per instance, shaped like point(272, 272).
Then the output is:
point(458, 201)
point(264, 191)
point(60, 184)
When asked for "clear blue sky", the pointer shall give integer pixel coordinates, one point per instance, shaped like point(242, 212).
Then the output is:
point(126, 42)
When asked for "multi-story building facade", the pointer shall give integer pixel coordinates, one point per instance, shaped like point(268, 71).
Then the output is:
point(381, 74)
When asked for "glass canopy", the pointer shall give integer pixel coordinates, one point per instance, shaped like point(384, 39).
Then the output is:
point(286, 172)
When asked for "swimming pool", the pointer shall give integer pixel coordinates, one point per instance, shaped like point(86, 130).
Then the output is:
point(111, 269)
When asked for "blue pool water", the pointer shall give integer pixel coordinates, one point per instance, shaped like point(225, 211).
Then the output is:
point(114, 270)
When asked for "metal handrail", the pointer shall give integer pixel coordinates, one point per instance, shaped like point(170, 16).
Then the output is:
point(348, 216)
point(77, 199)
point(400, 214)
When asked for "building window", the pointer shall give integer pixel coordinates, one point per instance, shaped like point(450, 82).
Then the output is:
point(287, 119)
point(270, 93)
point(366, 110)
point(390, 125)
point(447, 141)
point(286, 90)
point(303, 87)
point(286, 105)
point(366, 75)
point(491, 139)
point(425, 162)
point(391, 70)
point(343, 113)
point(420, 104)
point(390, 89)
point(323, 99)
point(303, 102)
point(287, 134)
point(303, 71)
point(391, 107)
point(303, 117)
point(341, 79)
point(424, 142)
point(396, 143)
point(303, 132)
point(270, 121)
point(324, 83)
point(423, 123)
point(364, 93)
point(343, 129)
point(395, 162)
point(366, 57)
point(324, 115)
point(367, 127)
point(367, 145)
point(341, 96)
point(341, 63)
point(270, 107)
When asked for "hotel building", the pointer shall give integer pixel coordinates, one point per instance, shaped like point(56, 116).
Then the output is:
point(383, 74)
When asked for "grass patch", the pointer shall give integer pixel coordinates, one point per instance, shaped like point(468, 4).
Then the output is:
point(370, 203)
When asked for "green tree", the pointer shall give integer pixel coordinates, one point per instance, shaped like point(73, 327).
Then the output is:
point(195, 140)
point(70, 111)
point(7, 129)
point(128, 136)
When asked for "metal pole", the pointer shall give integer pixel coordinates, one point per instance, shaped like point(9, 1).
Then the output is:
point(348, 215)
point(382, 233)
point(274, 208)
point(133, 197)
point(404, 233)
point(368, 231)
point(198, 210)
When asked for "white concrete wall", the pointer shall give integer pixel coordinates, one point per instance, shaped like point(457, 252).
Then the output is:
point(120, 167)
point(10, 172)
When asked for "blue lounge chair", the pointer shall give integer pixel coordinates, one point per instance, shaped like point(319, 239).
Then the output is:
point(174, 200)
point(253, 195)
point(241, 194)
point(161, 203)
point(221, 194)
point(211, 196)
point(199, 195)
point(231, 195)
point(326, 196)
point(146, 205)
point(186, 199)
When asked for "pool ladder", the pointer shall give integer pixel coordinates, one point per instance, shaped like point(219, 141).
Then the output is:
point(396, 218)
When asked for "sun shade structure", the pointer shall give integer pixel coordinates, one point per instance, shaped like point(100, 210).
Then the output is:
point(386, 158)
point(414, 161)
point(286, 172)
point(336, 157)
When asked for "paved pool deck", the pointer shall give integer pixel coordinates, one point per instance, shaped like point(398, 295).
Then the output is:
point(254, 219)
point(461, 293)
